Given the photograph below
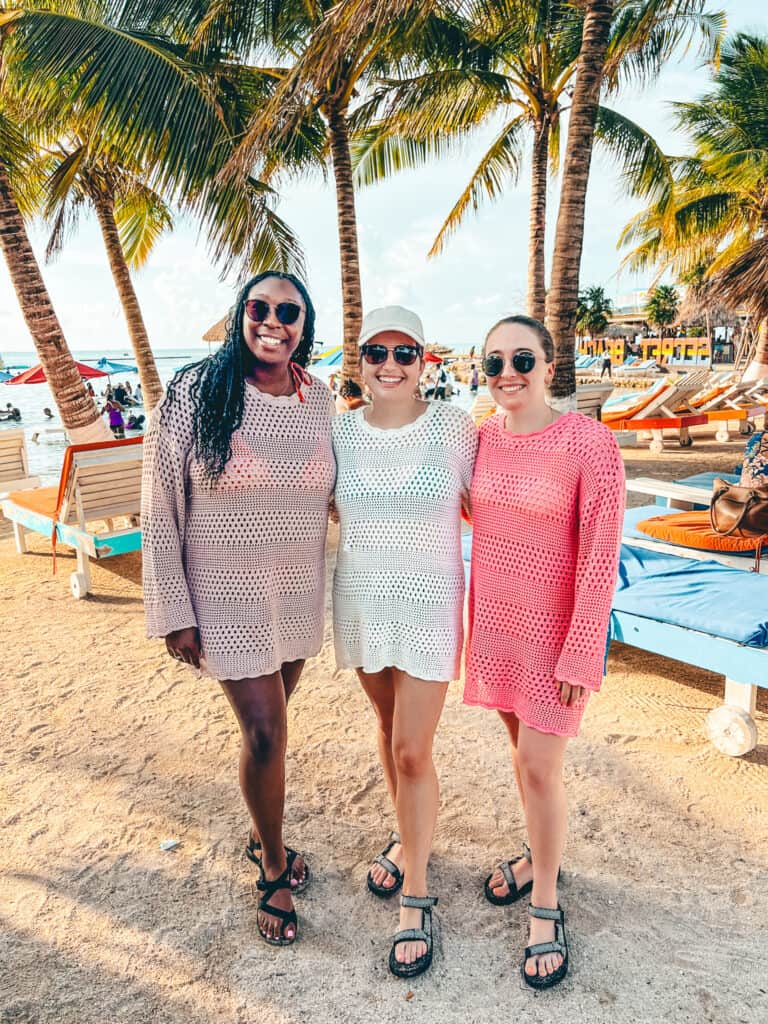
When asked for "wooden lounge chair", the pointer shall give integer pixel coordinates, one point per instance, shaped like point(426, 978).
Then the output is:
point(14, 466)
point(99, 483)
point(659, 411)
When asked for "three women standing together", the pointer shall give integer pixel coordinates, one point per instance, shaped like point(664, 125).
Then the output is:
point(241, 460)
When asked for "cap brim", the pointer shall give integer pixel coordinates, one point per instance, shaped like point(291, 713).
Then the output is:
point(383, 328)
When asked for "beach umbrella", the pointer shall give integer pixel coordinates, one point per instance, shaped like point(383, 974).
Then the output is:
point(430, 357)
point(5, 376)
point(109, 367)
point(333, 357)
point(36, 374)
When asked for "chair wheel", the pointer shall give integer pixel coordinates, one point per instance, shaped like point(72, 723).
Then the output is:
point(731, 730)
point(78, 584)
point(722, 436)
point(686, 442)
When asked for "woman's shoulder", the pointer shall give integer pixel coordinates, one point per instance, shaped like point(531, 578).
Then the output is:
point(453, 416)
point(593, 442)
point(345, 422)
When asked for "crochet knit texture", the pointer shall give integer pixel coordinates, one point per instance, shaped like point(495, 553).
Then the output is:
point(245, 560)
point(398, 589)
point(547, 510)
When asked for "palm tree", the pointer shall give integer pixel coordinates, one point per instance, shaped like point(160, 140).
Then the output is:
point(324, 85)
point(516, 61)
point(562, 300)
point(714, 211)
point(662, 307)
point(119, 198)
point(77, 410)
point(593, 311)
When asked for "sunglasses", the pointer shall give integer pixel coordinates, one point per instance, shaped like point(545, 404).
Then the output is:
point(522, 361)
point(404, 355)
point(286, 313)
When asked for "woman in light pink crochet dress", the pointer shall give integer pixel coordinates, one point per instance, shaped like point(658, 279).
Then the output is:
point(547, 505)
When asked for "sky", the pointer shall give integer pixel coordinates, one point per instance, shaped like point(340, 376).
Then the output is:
point(479, 277)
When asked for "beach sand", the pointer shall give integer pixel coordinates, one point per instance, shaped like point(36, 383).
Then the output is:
point(109, 747)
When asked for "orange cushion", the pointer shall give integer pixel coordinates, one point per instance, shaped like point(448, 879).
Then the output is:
point(38, 499)
point(693, 530)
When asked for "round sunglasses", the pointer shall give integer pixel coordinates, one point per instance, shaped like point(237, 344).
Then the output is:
point(286, 313)
point(404, 355)
point(522, 361)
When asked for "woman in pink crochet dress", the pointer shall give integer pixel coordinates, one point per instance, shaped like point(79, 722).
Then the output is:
point(547, 505)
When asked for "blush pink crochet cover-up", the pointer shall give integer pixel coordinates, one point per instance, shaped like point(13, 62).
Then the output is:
point(244, 561)
point(547, 511)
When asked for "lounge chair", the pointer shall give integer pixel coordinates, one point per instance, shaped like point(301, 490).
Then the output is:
point(14, 465)
point(637, 369)
point(99, 483)
point(658, 408)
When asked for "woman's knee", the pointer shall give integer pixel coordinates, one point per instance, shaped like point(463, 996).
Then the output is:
point(412, 759)
point(264, 739)
point(538, 775)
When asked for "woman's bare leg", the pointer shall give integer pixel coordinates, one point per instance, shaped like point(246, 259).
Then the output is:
point(380, 690)
point(418, 706)
point(260, 708)
point(540, 757)
point(522, 871)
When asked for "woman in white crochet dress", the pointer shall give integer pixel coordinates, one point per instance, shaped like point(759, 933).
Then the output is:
point(238, 471)
point(404, 466)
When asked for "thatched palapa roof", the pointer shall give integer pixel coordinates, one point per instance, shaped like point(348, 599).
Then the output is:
point(745, 281)
point(218, 332)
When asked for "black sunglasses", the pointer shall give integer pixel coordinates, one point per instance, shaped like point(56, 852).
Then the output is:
point(522, 361)
point(404, 355)
point(286, 313)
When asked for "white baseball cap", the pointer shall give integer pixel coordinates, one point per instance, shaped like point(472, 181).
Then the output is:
point(392, 318)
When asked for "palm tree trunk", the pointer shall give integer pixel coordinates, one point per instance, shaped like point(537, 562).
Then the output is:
point(563, 295)
point(78, 412)
point(758, 368)
point(151, 387)
point(537, 294)
point(351, 290)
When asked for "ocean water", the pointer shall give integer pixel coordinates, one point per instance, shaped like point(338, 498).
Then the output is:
point(46, 443)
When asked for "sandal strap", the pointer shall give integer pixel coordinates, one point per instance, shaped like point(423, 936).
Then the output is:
point(506, 869)
point(289, 916)
point(394, 837)
point(419, 902)
point(547, 914)
point(411, 935)
point(384, 862)
point(283, 881)
point(539, 948)
point(527, 853)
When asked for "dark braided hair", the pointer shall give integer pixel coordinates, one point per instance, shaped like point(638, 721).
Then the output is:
point(217, 387)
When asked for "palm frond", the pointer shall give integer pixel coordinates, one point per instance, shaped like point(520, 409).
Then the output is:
point(499, 166)
point(142, 218)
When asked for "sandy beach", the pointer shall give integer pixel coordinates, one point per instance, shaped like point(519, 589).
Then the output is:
point(109, 747)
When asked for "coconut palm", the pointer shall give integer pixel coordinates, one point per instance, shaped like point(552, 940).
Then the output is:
point(77, 410)
point(662, 307)
point(714, 211)
point(151, 101)
point(517, 64)
point(124, 206)
point(593, 312)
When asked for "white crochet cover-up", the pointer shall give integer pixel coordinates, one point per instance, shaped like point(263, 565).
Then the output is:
point(244, 561)
point(398, 589)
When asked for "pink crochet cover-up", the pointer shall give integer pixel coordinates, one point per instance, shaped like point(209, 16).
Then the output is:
point(244, 561)
point(547, 511)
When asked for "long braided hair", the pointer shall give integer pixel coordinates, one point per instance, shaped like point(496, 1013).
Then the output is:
point(217, 388)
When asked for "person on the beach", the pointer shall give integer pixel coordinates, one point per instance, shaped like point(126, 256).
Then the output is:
point(547, 503)
point(238, 473)
point(350, 396)
point(115, 412)
point(606, 366)
point(474, 380)
point(398, 591)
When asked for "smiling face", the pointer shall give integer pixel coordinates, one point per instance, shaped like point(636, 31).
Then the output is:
point(512, 390)
point(391, 380)
point(269, 341)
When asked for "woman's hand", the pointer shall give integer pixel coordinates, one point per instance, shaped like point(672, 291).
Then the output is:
point(184, 645)
point(569, 694)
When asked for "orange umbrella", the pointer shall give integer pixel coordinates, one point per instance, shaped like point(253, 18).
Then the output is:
point(430, 357)
point(36, 374)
